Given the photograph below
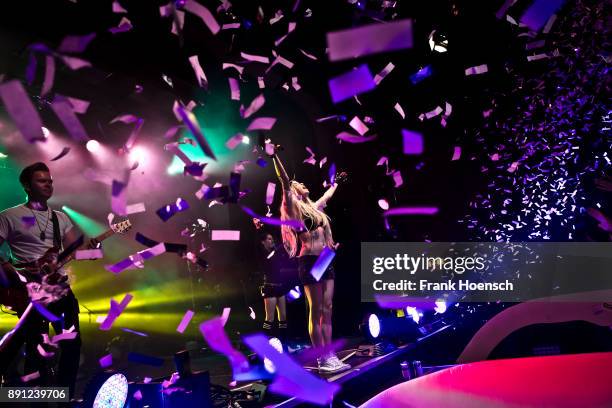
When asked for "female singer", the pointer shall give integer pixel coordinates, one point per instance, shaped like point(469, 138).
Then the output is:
point(297, 205)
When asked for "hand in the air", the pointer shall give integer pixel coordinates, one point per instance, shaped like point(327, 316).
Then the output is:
point(333, 246)
point(341, 177)
point(272, 149)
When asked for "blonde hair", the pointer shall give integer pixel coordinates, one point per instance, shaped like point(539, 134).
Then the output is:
point(300, 209)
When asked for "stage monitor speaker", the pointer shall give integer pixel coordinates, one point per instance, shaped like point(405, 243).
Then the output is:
point(150, 395)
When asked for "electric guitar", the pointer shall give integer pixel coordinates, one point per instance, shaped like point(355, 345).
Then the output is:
point(40, 280)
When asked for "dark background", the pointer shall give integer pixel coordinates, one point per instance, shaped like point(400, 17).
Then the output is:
point(140, 57)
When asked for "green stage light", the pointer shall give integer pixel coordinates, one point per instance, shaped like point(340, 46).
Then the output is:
point(218, 123)
point(148, 322)
point(88, 225)
point(12, 192)
point(7, 321)
point(158, 322)
point(193, 152)
point(158, 297)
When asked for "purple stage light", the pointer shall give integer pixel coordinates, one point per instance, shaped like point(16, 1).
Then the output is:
point(440, 306)
point(294, 293)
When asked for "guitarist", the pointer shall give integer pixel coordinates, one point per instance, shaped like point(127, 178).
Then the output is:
point(30, 230)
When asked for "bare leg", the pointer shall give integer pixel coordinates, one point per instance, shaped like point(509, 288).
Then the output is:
point(281, 308)
point(326, 325)
point(270, 306)
point(314, 294)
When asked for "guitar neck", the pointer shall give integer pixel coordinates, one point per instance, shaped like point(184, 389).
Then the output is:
point(104, 235)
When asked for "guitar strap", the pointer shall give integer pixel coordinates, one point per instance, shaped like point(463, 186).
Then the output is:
point(57, 236)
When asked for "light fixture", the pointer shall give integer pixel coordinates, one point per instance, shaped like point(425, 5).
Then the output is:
point(374, 326)
point(108, 389)
point(390, 329)
point(413, 313)
point(93, 146)
point(138, 154)
point(438, 42)
point(278, 346)
point(440, 306)
point(294, 293)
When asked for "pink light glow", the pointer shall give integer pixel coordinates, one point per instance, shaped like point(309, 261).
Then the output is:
point(93, 146)
point(138, 154)
point(553, 381)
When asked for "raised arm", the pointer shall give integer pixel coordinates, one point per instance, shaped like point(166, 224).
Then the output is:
point(281, 172)
point(321, 203)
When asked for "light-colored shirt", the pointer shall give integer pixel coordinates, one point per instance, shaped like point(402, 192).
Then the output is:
point(23, 238)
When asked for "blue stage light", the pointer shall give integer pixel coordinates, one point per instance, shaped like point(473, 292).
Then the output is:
point(440, 306)
point(381, 328)
point(278, 346)
point(294, 293)
point(413, 313)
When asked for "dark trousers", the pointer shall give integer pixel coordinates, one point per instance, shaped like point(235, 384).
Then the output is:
point(31, 333)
